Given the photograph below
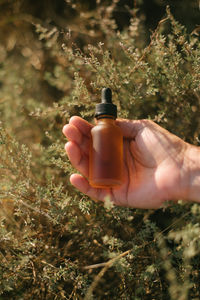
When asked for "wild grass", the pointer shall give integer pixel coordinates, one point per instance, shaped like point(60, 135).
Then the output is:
point(56, 243)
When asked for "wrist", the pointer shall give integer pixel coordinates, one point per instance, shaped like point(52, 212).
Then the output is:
point(191, 174)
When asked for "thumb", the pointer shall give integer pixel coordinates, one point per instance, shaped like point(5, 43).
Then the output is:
point(130, 128)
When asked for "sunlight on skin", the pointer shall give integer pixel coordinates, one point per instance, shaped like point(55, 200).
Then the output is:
point(152, 161)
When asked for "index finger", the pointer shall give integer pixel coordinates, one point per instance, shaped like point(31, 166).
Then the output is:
point(84, 126)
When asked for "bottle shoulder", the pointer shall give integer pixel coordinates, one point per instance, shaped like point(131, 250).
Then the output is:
point(103, 126)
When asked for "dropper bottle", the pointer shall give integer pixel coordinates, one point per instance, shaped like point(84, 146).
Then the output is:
point(106, 146)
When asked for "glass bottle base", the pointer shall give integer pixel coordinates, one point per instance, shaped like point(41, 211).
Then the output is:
point(105, 183)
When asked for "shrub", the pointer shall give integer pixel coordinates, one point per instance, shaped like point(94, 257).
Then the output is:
point(56, 243)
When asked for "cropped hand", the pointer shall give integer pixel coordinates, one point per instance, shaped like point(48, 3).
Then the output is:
point(153, 163)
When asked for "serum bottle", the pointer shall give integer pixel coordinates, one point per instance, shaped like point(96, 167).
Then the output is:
point(106, 145)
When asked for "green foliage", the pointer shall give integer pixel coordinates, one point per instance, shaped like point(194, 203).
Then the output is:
point(56, 243)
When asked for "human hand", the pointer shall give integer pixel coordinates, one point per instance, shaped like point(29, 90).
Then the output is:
point(154, 169)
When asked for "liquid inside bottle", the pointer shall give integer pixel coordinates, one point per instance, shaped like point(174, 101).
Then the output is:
point(106, 152)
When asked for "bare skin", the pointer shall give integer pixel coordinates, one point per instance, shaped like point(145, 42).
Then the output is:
point(157, 164)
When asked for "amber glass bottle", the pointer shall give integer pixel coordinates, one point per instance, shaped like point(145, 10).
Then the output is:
point(106, 146)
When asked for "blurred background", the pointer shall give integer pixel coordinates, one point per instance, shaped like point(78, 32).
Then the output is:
point(55, 56)
point(29, 30)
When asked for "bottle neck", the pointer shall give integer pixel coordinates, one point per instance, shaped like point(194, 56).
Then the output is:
point(105, 118)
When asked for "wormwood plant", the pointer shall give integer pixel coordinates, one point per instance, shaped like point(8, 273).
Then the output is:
point(56, 243)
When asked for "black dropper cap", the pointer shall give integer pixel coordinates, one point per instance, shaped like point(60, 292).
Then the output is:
point(106, 107)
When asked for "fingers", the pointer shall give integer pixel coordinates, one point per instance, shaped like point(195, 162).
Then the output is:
point(77, 158)
point(78, 134)
point(130, 128)
point(83, 186)
point(72, 133)
point(81, 124)
point(78, 131)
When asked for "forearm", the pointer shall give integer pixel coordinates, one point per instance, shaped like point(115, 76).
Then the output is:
point(191, 168)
